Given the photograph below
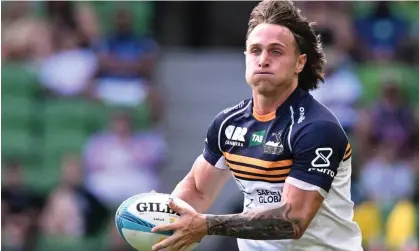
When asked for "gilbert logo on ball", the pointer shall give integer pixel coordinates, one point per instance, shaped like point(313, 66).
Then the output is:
point(137, 215)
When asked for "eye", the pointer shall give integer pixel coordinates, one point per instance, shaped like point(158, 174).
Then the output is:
point(255, 51)
point(276, 52)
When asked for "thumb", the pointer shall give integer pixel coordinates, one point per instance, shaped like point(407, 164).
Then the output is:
point(176, 207)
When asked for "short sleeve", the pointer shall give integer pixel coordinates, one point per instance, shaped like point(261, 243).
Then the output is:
point(318, 149)
point(212, 152)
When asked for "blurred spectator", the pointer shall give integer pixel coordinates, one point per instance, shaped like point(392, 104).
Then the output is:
point(121, 163)
point(126, 64)
point(332, 17)
point(401, 227)
point(115, 242)
point(415, 165)
point(20, 207)
point(380, 173)
point(24, 37)
point(381, 33)
point(342, 88)
point(75, 17)
point(84, 214)
point(390, 120)
point(69, 69)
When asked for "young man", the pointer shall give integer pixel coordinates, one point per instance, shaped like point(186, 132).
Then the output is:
point(287, 152)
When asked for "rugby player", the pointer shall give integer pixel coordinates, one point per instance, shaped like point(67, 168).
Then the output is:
point(287, 152)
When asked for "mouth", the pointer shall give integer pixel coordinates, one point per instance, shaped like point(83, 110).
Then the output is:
point(263, 73)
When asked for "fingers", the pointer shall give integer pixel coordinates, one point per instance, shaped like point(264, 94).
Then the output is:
point(165, 227)
point(164, 243)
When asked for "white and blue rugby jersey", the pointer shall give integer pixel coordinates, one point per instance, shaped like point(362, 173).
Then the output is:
point(303, 144)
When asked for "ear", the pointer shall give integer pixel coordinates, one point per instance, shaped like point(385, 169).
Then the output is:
point(301, 61)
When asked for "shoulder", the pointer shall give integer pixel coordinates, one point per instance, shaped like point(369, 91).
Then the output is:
point(232, 111)
point(316, 122)
point(311, 114)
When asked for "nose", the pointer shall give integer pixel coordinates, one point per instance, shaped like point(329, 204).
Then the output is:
point(263, 59)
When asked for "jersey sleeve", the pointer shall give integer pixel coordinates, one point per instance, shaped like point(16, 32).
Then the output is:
point(212, 152)
point(318, 149)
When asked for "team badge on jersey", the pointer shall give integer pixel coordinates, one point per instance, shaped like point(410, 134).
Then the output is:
point(274, 146)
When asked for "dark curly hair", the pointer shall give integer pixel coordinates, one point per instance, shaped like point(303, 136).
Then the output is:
point(284, 13)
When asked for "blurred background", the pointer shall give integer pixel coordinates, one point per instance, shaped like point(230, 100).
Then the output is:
point(104, 100)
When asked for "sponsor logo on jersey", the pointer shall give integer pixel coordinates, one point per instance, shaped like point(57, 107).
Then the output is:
point(238, 106)
point(235, 135)
point(323, 170)
point(267, 197)
point(257, 138)
point(302, 116)
point(322, 157)
point(274, 146)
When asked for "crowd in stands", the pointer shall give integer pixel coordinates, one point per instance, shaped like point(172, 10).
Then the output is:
point(89, 113)
point(371, 86)
point(81, 116)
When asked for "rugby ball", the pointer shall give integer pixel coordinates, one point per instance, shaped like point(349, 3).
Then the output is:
point(137, 215)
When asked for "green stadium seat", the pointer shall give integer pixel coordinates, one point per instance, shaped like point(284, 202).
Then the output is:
point(18, 80)
point(66, 114)
point(142, 14)
point(56, 145)
point(55, 243)
point(100, 116)
point(17, 112)
point(16, 143)
point(59, 142)
point(65, 244)
point(141, 116)
point(408, 10)
point(372, 77)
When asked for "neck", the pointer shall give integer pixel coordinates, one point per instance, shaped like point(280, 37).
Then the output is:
point(263, 104)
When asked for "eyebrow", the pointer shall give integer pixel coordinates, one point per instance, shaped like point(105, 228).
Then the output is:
point(272, 44)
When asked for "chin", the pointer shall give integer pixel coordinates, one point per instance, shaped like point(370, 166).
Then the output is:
point(264, 88)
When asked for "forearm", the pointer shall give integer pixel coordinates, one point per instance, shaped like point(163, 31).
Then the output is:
point(260, 224)
point(187, 191)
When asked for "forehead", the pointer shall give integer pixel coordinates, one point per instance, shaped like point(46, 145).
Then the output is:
point(266, 34)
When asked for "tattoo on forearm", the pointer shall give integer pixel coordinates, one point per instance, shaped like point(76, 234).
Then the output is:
point(268, 224)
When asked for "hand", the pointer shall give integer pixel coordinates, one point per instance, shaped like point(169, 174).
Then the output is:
point(189, 228)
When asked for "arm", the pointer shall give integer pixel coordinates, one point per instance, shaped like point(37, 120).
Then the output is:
point(208, 175)
point(143, 65)
point(201, 185)
point(111, 64)
point(288, 220)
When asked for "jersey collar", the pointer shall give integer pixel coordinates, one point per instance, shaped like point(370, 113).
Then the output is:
point(283, 109)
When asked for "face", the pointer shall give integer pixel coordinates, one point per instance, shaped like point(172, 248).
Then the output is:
point(13, 176)
point(121, 124)
point(71, 171)
point(123, 21)
point(272, 59)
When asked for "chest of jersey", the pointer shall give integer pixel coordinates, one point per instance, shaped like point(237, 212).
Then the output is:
point(258, 156)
